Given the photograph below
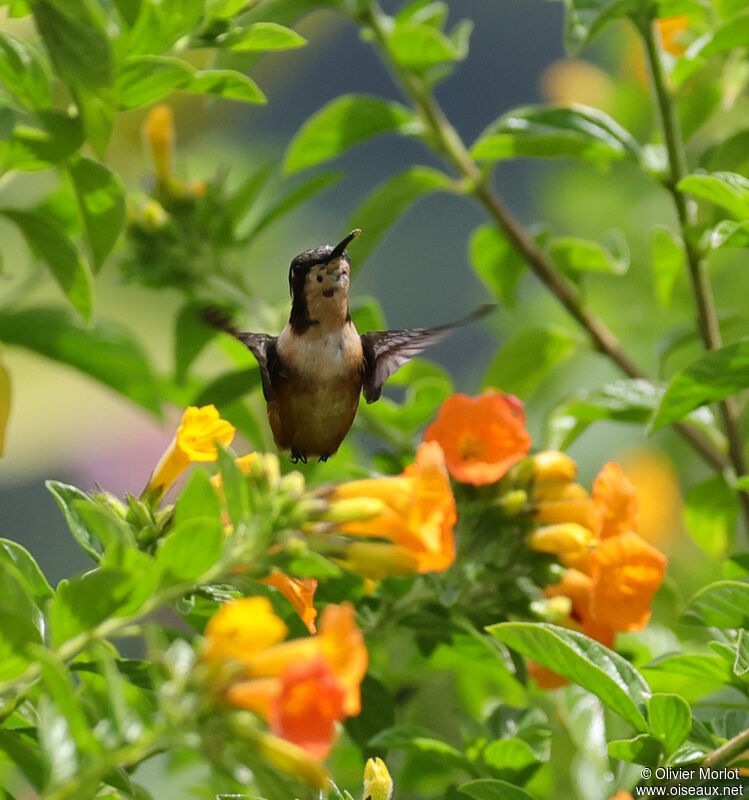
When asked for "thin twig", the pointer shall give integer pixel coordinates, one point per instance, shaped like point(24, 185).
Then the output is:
point(453, 149)
point(707, 316)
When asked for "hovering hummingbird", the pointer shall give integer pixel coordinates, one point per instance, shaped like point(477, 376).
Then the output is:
point(315, 370)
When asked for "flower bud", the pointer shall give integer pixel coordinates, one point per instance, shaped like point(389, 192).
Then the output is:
point(159, 130)
point(553, 465)
point(515, 501)
point(354, 509)
point(564, 539)
point(378, 785)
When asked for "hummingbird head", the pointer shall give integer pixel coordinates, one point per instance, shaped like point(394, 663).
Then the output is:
point(319, 281)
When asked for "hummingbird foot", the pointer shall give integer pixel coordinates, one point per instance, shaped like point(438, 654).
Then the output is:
point(297, 456)
point(323, 459)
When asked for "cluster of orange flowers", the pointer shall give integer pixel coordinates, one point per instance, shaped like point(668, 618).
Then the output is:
point(301, 687)
point(612, 572)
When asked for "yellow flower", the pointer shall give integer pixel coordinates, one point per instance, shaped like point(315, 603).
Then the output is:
point(552, 466)
point(159, 130)
point(565, 502)
point(672, 30)
point(418, 513)
point(195, 440)
point(378, 785)
point(241, 628)
point(566, 540)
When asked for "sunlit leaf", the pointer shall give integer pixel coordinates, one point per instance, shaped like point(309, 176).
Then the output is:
point(25, 73)
point(730, 34)
point(670, 719)
point(669, 261)
point(723, 604)
point(162, 23)
point(641, 749)
point(101, 197)
point(523, 363)
point(496, 262)
point(143, 80)
point(226, 83)
point(713, 377)
point(584, 661)
point(190, 550)
point(38, 142)
point(741, 665)
point(729, 234)
point(728, 190)
point(198, 500)
point(547, 131)
point(260, 37)
point(50, 242)
point(387, 203)
point(710, 511)
point(104, 351)
point(574, 255)
point(17, 555)
point(343, 123)
point(417, 47)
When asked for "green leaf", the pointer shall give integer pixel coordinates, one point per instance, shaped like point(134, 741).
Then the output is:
point(713, 377)
point(669, 261)
point(510, 756)
point(25, 73)
point(187, 553)
point(377, 714)
point(728, 234)
point(418, 47)
point(101, 197)
point(577, 131)
point(487, 789)
point(13, 553)
point(261, 37)
point(496, 262)
point(76, 42)
point(224, 9)
point(105, 351)
point(343, 123)
point(670, 719)
point(23, 751)
point(70, 500)
point(574, 255)
point(630, 401)
point(723, 604)
point(641, 749)
point(108, 528)
point(235, 487)
point(528, 359)
point(229, 387)
point(145, 79)
point(732, 33)
point(693, 675)
point(40, 141)
point(415, 739)
point(741, 664)
point(601, 671)
point(161, 24)
point(710, 511)
point(725, 189)
point(387, 203)
point(226, 83)
point(81, 604)
point(22, 621)
point(198, 500)
point(97, 109)
point(4, 404)
point(50, 242)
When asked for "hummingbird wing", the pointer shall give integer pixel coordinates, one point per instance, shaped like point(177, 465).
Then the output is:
point(385, 352)
point(261, 345)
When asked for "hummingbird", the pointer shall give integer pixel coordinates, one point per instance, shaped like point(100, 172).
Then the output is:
point(314, 372)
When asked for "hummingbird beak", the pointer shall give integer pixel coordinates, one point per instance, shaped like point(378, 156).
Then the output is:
point(340, 248)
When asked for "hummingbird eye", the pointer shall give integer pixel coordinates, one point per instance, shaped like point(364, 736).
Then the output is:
point(319, 278)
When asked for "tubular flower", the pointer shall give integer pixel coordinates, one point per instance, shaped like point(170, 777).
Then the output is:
point(195, 440)
point(417, 515)
point(378, 785)
point(300, 592)
point(626, 572)
point(482, 437)
point(553, 466)
point(567, 541)
point(671, 30)
point(616, 499)
point(159, 130)
point(561, 502)
point(300, 687)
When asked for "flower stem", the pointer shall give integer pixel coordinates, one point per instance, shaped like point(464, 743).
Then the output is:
point(707, 317)
point(728, 752)
point(452, 148)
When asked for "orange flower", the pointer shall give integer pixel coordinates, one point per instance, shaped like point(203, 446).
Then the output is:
point(544, 677)
point(616, 500)
point(301, 686)
point(671, 30)
point(300, 592)
point(579, 588)
point(482, 437)
point(626, 572)
point(557, 503)
point(418, 515)
point(657, 487)
point(310, 702)
point(622, 795)
point(195, 440)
